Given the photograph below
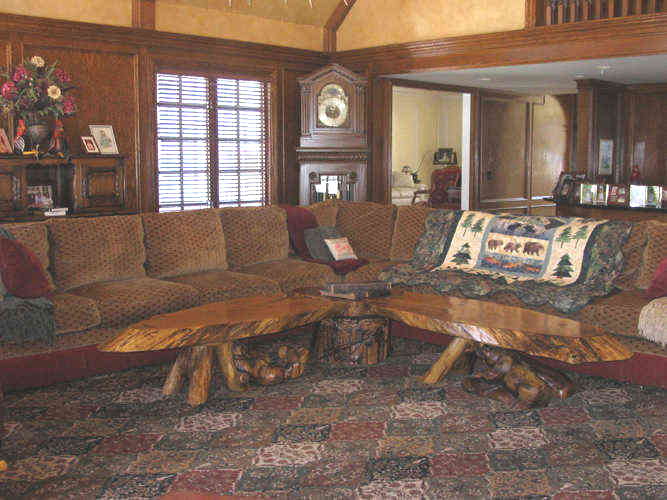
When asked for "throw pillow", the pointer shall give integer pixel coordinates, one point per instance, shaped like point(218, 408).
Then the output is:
point(21, 271)
point(315, 241)
point(656, 240)
point(658, 286)
point(340, 248)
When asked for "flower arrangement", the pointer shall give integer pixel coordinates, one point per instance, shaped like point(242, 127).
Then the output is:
point(35, 91)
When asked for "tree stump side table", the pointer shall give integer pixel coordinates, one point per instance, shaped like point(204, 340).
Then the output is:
point(353, 340)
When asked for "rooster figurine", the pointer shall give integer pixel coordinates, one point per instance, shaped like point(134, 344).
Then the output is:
point(58, 144)
point(19, 140)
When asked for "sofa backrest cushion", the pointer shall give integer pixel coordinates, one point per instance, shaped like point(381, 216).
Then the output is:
point(654, 252)
point(34, 235)
point(183, 243)
point(368, 226)
point(254, 235)
point(408, 227)
point(325, 212)
point(90, 250)
point(633, 251)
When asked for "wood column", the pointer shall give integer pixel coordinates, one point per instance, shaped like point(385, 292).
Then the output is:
point(143, 14)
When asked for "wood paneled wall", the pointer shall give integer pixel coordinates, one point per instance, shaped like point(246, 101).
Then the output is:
point(114, 70)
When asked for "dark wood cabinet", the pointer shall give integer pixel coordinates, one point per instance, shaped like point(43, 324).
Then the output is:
point(84, 184)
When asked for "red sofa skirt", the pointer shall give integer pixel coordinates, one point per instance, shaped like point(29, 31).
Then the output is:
point(46, 369)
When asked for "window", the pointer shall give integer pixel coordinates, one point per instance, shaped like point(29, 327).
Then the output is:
point(212, 142)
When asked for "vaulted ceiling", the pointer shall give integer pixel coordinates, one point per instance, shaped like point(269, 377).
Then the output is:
point(293, 11)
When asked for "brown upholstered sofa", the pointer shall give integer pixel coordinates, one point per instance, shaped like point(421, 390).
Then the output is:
point(109, 272)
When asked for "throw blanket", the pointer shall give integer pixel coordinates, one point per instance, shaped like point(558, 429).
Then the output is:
point(590, 272)
point(25, 320)
point(298, 220)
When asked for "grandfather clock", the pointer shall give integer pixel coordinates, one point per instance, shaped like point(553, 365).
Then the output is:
point(333, 148)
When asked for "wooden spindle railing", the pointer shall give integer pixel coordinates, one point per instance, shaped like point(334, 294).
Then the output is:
point(572, 11)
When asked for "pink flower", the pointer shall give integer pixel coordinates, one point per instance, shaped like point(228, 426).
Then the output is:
point(20, 73)
point(69, 105)
point(62, 76)
point(9, 90)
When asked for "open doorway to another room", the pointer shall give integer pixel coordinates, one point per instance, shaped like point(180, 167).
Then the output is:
point(430, 147)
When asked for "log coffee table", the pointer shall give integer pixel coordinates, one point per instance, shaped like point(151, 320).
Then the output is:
point(213, 328)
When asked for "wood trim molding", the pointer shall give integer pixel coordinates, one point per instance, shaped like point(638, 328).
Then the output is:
point(334, 22)
point(87, 34)
point(618, 37)
point(143, 14)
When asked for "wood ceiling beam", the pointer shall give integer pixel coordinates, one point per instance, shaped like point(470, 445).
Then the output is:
point(143, 14)
point(334, 22)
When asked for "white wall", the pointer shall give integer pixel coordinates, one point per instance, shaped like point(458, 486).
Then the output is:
point(423, 121)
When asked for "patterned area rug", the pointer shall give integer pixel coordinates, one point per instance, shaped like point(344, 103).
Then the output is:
point(373, 432)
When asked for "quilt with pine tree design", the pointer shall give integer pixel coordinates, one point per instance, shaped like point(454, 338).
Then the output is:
point(544, 261)
point(549, 249)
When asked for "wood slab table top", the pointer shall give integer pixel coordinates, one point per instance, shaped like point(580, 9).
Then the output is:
point(490, 323)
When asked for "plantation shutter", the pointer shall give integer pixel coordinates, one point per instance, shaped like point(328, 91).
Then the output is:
point(242, 142)
point(189, 176)
point(182, 142)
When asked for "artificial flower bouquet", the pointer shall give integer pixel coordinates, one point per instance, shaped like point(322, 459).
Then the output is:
point(35, 92)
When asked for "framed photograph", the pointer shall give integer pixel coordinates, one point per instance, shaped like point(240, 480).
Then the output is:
point(574, 196)
point(89, 145)
point(617, 195)
point(444, 156)
point(601, 195)
point(637, 196)
point(5, 146)
point(664, 196)
point(39, 197)
point(589, 194)
point(105, 139)
point(564, 187)
point(606, 157)
point(654, 196)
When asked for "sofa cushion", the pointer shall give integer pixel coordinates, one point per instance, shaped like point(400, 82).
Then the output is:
point(125, 302)
point(369, 227)
point(654, 252)
point(254, 235)
point(74, 313)
point(408, 228)
point(633, 253)
point(34, 235)
point(325, 212)
point(21, 271)
point(85, 251)
point(293, 273)
point(183, 243)
point(215, 286)
point(370, 271)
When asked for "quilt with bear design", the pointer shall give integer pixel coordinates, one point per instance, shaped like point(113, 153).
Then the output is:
point(547, 249)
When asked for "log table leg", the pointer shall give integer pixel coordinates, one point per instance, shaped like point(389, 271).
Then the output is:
point(447, 359)
point(235, 381)
point(195, 363)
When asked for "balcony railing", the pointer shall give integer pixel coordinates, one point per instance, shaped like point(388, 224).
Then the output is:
point(572, 11)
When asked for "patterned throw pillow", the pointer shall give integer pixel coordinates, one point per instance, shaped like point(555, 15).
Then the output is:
point(340, 248)
point(658, 286)
point(315, 237)
point(21, 271)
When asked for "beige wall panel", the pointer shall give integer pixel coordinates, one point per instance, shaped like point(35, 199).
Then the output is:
point(371, 23)
point(550, 133)
point(115, 12)
point(203, 21)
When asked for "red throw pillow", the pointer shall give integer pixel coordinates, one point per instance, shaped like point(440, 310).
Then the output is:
point(21, 271)
point(658, 286)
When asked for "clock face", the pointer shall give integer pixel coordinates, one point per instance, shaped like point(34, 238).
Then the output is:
point(332, 106)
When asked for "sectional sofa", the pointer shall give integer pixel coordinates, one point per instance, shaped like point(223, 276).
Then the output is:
point(109, 272)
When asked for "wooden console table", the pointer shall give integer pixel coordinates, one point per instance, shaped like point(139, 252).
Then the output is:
point(86, 184)
point(212, 328)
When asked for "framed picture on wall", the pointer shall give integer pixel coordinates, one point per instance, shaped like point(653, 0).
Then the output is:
point(606, 157)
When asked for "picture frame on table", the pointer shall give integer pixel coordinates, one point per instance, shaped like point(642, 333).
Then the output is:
point(664, 196)
point(589, 193)
point(89, 145)
point(654, 196)
point(601, 195)
point(104, 138)
point(606, 157)
point(444, 156)
point(564, 187)
point(617, 195)
point(5, 145)
point(39, 197)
